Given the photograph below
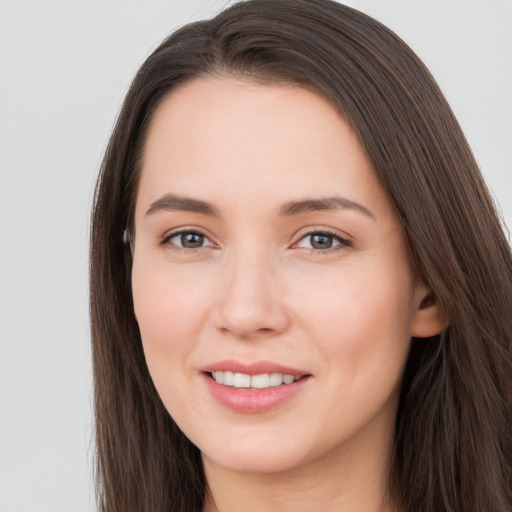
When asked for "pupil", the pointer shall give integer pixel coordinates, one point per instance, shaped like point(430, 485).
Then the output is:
point(192, 240)
point(321, 241)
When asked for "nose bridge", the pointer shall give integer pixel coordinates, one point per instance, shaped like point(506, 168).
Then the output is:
point(250, 301)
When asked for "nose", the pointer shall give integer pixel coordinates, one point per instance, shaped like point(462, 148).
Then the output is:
point(251, 301)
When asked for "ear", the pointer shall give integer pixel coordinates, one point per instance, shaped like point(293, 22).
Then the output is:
point(429, 318)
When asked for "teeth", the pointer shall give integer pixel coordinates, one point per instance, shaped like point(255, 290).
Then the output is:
point(261, 381)
point(288, 379)
point(229, 378)
point(242, 380)
point(276, 379)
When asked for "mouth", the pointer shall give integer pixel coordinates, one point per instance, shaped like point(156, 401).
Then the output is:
point(247, 381)
point(255, 387)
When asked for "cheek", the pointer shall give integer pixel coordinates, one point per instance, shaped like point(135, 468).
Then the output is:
point(369, 296)
point(360, 327)
point(169, 309)
point(360, 318)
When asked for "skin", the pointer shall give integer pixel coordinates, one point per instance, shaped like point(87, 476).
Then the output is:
point(257, 289)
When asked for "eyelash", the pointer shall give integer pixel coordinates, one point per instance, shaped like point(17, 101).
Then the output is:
point(343, 243)
point(167, 240)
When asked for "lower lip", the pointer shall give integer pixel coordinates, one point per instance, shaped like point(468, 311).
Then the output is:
point(254, 400)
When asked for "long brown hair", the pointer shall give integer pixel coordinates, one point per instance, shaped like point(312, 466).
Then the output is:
point(453, 445)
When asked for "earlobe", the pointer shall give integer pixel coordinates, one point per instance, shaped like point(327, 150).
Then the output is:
point(429, 317)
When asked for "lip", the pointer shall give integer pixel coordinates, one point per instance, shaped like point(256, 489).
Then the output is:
point(253, 401)
point(253, 368)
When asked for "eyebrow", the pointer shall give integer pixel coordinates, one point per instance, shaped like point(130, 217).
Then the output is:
point(323, 204)
point(172, 202)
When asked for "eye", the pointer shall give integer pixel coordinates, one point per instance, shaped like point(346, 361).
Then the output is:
point(322, 241)
point(188, 240)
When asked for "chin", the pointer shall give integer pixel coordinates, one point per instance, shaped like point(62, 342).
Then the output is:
point(256, 460)
point(261, 452)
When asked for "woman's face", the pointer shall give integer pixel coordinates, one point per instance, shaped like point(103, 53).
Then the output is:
point(266, 249)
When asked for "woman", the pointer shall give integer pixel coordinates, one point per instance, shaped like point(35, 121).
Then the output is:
point(300, 290)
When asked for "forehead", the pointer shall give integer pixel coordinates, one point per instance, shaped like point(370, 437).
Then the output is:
point(240, 140)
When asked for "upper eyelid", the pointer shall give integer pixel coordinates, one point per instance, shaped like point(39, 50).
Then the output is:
point(342, 241)
point(178, 231)
point(324, 230)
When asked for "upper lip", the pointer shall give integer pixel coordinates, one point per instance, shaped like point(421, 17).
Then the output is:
point(253, 368)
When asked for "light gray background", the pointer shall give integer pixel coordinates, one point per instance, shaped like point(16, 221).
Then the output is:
point(64, 68)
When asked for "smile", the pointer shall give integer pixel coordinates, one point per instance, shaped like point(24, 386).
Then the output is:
point(255, 387)
point(244, 380)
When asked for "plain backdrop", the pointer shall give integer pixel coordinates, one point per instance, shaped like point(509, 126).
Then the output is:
point(64, 68)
